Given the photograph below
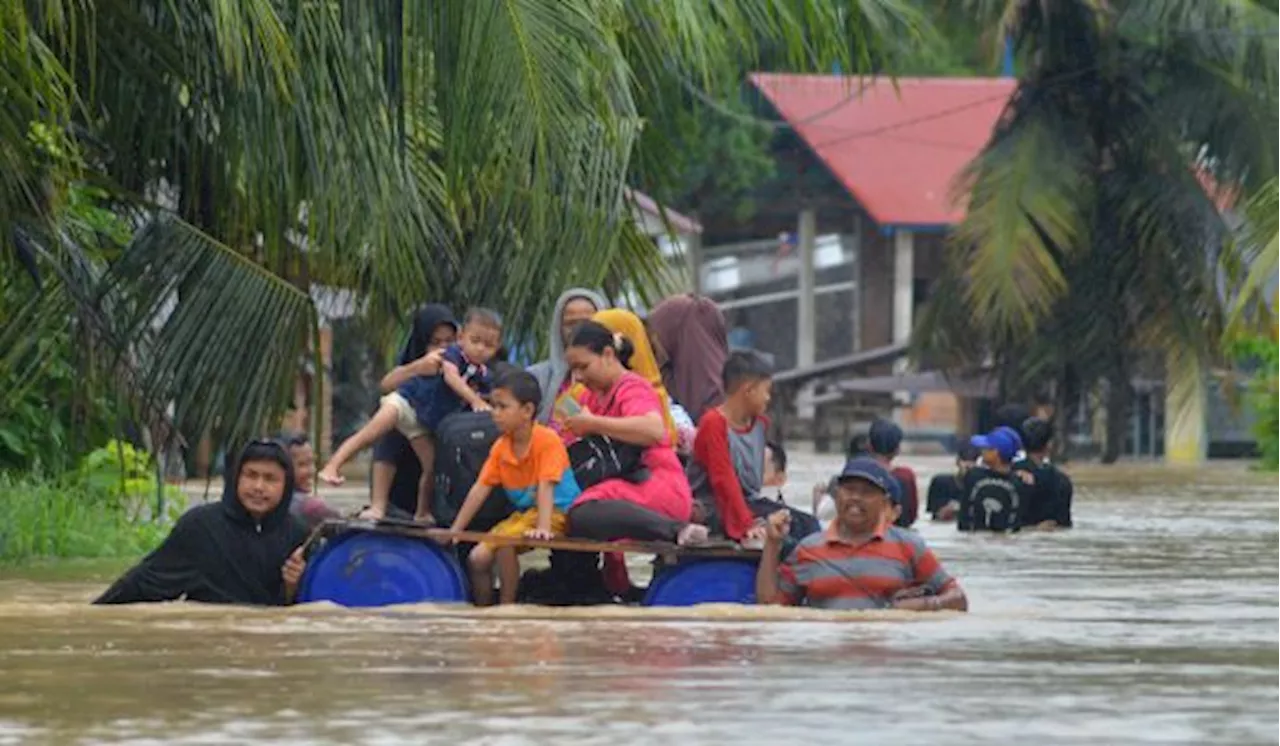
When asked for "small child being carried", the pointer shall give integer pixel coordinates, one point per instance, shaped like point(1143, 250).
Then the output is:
point(418, 406)
point(530, 463)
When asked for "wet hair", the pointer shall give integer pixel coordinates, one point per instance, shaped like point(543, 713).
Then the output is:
point(266, 450)
point(884, 438)
point(1036, 433)
point(742, 367)
point(778, 454)
point(293, 438)
point(859, 445)
point(485, 317)
point(1011, 415)
point(522, 386)
point(597, 337)
point(500, 367)
point(968, 451)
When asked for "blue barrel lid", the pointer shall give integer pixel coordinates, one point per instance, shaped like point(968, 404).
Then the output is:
point(361, 569)
point(710, 581)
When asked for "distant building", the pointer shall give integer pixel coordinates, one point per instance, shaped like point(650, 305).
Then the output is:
point(849, 240)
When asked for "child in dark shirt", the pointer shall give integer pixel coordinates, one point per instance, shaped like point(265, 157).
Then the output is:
point(992, 496)
point(418, 406)
point(1049, 506)
point(945, 490)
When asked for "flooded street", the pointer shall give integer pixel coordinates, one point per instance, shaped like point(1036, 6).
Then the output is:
point(1153, 622)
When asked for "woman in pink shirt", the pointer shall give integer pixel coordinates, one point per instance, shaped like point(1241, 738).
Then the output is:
point(625, 407)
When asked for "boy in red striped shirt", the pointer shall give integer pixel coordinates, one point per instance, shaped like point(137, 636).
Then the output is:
point(727, 473)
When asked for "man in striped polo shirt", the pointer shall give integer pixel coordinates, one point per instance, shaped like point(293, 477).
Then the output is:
point(861, 561)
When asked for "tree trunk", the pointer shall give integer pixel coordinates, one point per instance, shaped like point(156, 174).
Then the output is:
point(1119, 398)
point(1066, 395)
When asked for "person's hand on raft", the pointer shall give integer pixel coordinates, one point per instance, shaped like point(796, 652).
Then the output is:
point(778, 527)
point(916, 599)
point(581, 424)
point(292, 570)
point(542, 534)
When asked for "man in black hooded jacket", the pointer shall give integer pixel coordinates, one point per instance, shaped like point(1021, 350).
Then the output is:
point(244, 550)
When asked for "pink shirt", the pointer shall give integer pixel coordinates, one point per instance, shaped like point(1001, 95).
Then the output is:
point(667, 490)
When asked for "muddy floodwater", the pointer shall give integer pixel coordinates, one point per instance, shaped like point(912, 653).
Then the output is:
point(1153, 622)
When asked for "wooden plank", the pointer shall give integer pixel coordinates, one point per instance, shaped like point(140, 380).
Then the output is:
point(718, 550)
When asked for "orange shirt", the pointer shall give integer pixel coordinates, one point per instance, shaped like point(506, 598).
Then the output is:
point(519, 476)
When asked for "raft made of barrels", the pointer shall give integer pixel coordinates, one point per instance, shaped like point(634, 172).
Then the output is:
point(370, 564)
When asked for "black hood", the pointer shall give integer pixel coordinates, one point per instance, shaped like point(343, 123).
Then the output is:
point(425, 321)
point(260, 450)
point(217, 552)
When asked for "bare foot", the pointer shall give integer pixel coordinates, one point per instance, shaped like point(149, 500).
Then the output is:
point(330, 476)
point(371, 514)
point(425, 519)
point(692, 534)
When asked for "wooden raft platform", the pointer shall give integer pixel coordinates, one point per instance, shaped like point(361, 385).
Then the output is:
point(667, 550)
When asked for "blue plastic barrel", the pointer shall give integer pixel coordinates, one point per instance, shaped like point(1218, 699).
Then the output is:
point(711, 581)
point(362, 569)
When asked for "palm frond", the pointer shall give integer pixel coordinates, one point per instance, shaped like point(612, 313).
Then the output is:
point(1027, 194)
point(1255, 253)
point(212, 333)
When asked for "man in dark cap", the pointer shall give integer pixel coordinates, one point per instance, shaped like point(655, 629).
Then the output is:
point(861, 561)
point(245, 549)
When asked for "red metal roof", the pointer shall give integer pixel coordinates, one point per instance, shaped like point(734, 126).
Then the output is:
point(896, 151)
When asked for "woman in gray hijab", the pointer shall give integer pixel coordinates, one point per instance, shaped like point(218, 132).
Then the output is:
point(573, 307)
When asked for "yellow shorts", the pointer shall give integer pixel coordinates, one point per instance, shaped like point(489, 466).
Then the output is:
point(406, 419)
point(516, 524)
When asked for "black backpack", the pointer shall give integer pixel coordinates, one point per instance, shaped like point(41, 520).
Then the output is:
point(991, 501)
point(596, 458)
point(463, 440)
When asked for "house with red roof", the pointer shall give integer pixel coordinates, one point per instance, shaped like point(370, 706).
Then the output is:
point(876, 162)
point(873, 164)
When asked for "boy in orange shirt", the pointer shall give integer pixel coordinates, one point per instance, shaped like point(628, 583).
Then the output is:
point(530, 463)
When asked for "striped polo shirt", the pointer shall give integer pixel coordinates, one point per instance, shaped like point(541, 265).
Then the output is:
point(827, 572)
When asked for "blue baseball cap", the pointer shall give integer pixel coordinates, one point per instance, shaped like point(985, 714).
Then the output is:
point(1013, 433)
point(870, 470)
point(999, 440)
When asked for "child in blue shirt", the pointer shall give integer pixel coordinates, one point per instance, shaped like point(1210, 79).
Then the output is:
point(418, 406)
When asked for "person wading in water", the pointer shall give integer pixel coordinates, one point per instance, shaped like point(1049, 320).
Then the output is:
point(245, 549)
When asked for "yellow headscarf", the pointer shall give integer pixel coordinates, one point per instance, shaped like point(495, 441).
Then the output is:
point(643, 362)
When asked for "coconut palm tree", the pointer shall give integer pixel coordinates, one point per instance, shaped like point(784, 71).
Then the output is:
point(458, 150)
point(1095, 212)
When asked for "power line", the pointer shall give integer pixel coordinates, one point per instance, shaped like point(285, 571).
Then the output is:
point(783, 124)
point(758, 121)
point(943, 113)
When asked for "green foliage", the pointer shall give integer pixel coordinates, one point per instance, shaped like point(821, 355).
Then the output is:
point(102, 508)
point(51, 413)
point(119, 474)
point(51, 416)
point(1261, 355)
point(1092, 234)
point(449, 150)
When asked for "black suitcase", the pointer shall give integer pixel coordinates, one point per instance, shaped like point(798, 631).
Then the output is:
point(462, 442)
